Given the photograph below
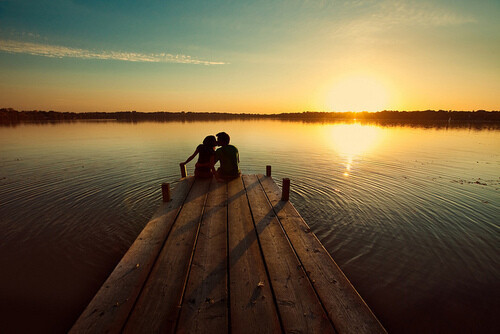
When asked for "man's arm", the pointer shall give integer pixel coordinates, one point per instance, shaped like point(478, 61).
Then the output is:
point(216, 156)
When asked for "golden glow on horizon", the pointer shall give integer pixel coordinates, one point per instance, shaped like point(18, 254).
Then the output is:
point(352, 140)
point(358, 93)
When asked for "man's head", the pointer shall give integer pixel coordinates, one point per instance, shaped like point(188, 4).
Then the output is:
point(223, 138)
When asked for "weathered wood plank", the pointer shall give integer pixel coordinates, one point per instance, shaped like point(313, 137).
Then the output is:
point(110, 307)
point(158, 305)
point(298, 305)
point(347, 310)
point(205, 304)
point(252, 306)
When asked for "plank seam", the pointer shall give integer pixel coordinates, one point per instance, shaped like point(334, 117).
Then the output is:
point(191, 258)
point(264, 259)
point(298, 258)
point(156, 258)
point(228, 284)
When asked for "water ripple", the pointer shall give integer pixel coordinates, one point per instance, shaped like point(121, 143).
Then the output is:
point(408, 229)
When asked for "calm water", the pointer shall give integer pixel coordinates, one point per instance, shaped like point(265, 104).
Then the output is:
point(411, 214)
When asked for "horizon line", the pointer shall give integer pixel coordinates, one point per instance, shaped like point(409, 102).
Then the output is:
point(248, 113)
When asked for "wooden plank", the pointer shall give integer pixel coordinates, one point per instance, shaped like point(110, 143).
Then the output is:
point(298, 305)
point(205, 304)
point(252, 307)
point(347, 310)
point(158, 305)
point(110, 307)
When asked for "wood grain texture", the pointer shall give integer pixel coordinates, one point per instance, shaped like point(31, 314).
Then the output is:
point(158, 306)
point(227, 257)
point(252, 307)
point(110, 307)
point(298, 305)
point(205, 304)
point(347, 310)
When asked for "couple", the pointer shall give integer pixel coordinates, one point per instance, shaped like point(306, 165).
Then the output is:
point(226, 154)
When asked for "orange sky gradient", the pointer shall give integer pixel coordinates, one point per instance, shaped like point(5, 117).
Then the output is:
point(284, 56)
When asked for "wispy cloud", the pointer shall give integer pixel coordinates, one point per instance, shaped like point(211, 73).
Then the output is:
point(382, 17)
point(57, 51)
point(420, 13)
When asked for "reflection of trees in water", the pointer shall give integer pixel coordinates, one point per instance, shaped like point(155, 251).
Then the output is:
point(479, 119)
point(436, 124)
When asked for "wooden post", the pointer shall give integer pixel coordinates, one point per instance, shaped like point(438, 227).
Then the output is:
point(268, 170)
point(183, 169)
point(165, 192)
point(285, 190)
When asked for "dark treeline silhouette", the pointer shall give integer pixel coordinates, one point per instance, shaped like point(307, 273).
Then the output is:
point(9, 116)
point(427, 115)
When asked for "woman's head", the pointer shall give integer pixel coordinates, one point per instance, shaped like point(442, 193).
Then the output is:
point(210, 141)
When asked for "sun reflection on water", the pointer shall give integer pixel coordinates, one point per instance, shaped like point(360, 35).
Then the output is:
point(353, 140)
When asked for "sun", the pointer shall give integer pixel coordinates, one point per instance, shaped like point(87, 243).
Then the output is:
point(358, 93)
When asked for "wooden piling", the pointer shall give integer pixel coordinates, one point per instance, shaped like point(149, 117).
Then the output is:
point(165, 192)
point(268, 170)
point(285, 190)
point(183, 169)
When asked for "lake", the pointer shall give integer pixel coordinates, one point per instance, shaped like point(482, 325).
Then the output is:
point(410, 213)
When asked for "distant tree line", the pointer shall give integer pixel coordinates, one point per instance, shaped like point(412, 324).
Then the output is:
point(11, 116)
point(425, 115)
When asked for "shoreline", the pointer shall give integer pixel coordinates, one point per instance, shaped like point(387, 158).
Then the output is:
point(441, 118)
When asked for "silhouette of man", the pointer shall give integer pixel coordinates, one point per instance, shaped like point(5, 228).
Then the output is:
point(228, 156)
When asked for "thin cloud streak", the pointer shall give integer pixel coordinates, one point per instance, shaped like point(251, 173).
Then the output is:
point(56, 51)
point(390, 15)
point(421, 14)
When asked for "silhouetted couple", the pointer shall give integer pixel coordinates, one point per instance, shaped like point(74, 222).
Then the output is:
point(227, 155)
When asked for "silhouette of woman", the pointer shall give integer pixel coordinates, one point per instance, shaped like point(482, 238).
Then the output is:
point(204, 168)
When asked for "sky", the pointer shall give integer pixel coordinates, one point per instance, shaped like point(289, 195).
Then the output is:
point(249, 56)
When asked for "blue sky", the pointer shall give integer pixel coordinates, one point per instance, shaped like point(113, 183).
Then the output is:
point(249, 56)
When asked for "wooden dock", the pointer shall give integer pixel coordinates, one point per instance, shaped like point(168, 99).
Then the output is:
point(227, 257)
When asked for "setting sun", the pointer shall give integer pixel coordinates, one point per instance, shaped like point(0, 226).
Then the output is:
point(222, 136)
point(358, 93)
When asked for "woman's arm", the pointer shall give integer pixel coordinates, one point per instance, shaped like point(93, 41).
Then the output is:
point(191, 157)
point(210, 164)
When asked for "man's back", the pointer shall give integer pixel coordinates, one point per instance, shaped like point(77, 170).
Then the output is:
point(229, 158)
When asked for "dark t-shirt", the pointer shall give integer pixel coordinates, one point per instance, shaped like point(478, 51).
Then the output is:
point(229, 158)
